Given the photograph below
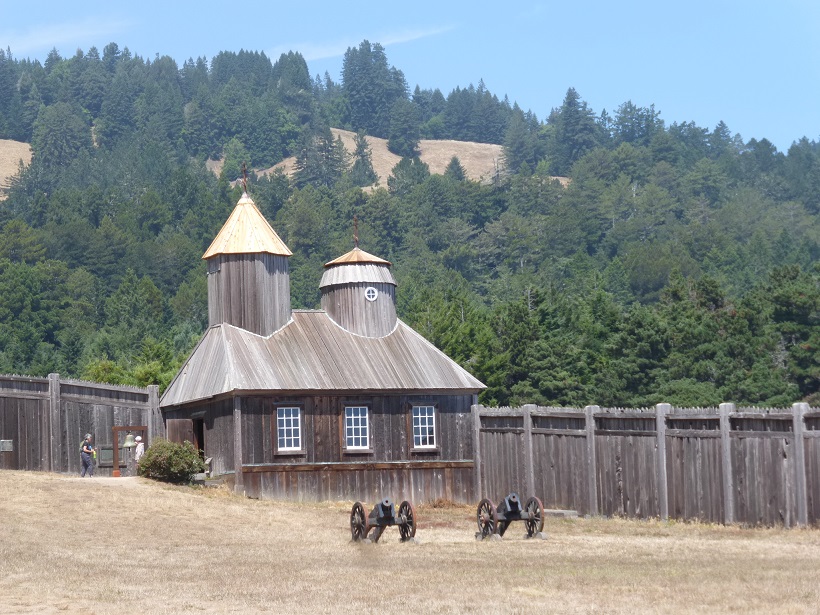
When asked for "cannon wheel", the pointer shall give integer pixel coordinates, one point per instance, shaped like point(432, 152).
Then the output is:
point(535, 520)
point(407, 523)
point(358, 522)
point(487, 518)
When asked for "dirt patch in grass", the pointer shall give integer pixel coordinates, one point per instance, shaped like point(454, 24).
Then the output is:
point(11, 153)
point(130, 545)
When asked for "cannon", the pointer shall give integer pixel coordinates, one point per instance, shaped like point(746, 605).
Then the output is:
point(492, 520)
point(383, 515)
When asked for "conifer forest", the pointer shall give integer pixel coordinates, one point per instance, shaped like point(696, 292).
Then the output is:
point(615, 257)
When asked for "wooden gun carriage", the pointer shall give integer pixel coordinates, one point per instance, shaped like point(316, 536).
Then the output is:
point(383, 515)
point(496, 520)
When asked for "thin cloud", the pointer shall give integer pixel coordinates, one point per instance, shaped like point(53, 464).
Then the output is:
point(70, 33)
point(335, 49)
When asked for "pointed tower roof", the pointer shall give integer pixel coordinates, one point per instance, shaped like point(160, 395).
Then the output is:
point(246, 232)
point(355, 256)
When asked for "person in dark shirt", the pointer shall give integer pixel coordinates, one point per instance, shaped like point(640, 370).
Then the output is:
point(86, 454)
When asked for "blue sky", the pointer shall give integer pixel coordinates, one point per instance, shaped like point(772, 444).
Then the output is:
point(750, 63)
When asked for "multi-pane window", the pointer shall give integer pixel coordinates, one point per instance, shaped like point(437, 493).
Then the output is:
point(289, 429)
point(357, 429)
point(424, 427)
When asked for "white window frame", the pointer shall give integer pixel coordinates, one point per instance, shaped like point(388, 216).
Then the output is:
point(371, 293)
point(423, 419)
point(357, 428)
point(285, 421)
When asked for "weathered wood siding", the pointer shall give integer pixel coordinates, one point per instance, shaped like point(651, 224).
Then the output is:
point(763, 469)
point(24, 422)
point(217, 417)
point(323, 469)
point(812, 462)
point(393, 469)
point(349, 308)
point(694, 470)
point(251, 291)
point(45, 420)
point(753, 466)
point(560, 460)
point(626, 474)
point(501, 442)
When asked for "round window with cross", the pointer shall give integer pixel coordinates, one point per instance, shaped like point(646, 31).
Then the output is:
point(370, 293)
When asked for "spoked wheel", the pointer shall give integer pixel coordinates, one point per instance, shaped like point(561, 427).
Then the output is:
point(358, 522)
point(534, 510)
point(407, 521)
point(487, 518)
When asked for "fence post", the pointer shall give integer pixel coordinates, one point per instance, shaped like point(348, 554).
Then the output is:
point(154, 416)
point(726, 463)
point(54, 428)
point(661, 411)
point(592, 465)
point(477, 450)
point(529, 460)
point(799, 410)
point(237, 445)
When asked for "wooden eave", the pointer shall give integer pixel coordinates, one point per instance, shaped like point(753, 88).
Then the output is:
point(311, 355)
point(361, 273)
point(246, 232)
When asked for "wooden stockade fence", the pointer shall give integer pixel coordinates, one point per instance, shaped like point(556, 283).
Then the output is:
point(43, 421)
point(726, 465)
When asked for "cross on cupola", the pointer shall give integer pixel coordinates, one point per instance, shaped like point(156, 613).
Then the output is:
point(244, 178)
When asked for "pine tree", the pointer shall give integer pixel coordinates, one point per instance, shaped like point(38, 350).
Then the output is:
point(362, 173)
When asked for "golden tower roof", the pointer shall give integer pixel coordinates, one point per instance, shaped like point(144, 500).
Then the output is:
point(246, 232)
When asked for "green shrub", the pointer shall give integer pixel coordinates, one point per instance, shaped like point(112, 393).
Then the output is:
point(170, 462)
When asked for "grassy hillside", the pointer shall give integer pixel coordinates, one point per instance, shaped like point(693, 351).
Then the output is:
point(479, 160)
point(11, 153)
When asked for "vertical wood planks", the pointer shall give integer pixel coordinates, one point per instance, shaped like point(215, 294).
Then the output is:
point(237, 443)
point(726, 463)
point(663, 497)
point(800, 487)
point(592, 475)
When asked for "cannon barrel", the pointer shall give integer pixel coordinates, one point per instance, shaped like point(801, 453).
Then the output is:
point(510, 504)
point(385, 509)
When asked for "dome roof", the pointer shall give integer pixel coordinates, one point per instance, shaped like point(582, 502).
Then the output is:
point(357, 255)
point(246, 232)
point(357, 267)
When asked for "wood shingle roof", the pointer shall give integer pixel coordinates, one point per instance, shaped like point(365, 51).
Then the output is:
point(246, 232)
point(313, 354)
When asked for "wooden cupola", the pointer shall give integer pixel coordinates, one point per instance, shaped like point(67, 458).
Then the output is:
point(359, 293)
point(248, 276)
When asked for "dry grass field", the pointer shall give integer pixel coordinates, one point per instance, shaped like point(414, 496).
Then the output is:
point(11, 153)
point(127, 545)
point(479, 160)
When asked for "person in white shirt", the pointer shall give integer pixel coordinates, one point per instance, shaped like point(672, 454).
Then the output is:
point(140, 450)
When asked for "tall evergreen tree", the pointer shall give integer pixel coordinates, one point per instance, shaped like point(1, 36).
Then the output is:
point(371, 87)
point(576, 133)
point(362, 173)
